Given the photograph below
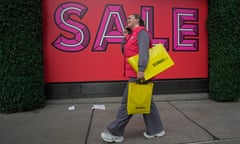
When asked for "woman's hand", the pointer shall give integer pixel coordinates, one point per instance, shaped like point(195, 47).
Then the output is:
point(140, 75)
point(125, 33)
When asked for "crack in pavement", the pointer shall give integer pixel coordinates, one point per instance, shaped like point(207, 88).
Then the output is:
point(89, 126)
point(200, 126)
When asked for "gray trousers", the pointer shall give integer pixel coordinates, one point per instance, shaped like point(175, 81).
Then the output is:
point(152, 120)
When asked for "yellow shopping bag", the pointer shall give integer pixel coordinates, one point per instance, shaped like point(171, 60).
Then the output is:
point(159, 60)
point(139, 98)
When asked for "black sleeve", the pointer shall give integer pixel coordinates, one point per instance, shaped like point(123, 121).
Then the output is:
point(122, 45)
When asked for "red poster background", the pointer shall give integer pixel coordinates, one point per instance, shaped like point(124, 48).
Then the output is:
point(87, 65)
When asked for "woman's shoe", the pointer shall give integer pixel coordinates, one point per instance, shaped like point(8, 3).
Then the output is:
point(147, 136)
point(108, 137)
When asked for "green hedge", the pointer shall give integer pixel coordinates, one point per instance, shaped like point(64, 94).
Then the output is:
point(224, 53)
point(21, 72)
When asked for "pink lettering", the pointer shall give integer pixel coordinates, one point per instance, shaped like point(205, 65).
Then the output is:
point(111, 29)
point(80, 32)
point(185, 29)
point(148, 17)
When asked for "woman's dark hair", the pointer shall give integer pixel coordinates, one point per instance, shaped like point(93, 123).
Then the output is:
point(141, 22)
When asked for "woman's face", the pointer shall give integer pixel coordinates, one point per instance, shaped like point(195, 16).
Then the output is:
point(132, 21)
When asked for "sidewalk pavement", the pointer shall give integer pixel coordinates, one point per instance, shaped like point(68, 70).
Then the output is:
point(187, 119)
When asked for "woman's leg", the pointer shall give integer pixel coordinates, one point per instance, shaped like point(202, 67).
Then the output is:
point(153, 121)
point(117, 127)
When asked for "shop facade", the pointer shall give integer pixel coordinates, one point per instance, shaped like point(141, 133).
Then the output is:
point(82, 55)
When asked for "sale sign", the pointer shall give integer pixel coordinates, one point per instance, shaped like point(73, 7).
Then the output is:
point(82, 39)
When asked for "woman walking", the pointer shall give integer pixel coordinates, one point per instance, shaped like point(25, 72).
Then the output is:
point(137, 41)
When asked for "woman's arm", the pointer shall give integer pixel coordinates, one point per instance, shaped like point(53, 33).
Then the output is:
point(143, 44)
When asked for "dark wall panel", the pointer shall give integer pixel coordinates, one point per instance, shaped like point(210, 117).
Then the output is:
point(114, 89)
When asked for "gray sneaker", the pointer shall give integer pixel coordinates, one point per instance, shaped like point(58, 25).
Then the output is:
point(160, 134)
point(108, 137)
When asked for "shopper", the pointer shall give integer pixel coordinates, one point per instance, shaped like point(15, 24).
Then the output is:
point(137, 41)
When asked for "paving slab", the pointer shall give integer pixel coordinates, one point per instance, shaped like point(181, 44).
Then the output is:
point(185, 122)
point(220, 119)
point(53, 124)
point(178, 128)
point(228, 141)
